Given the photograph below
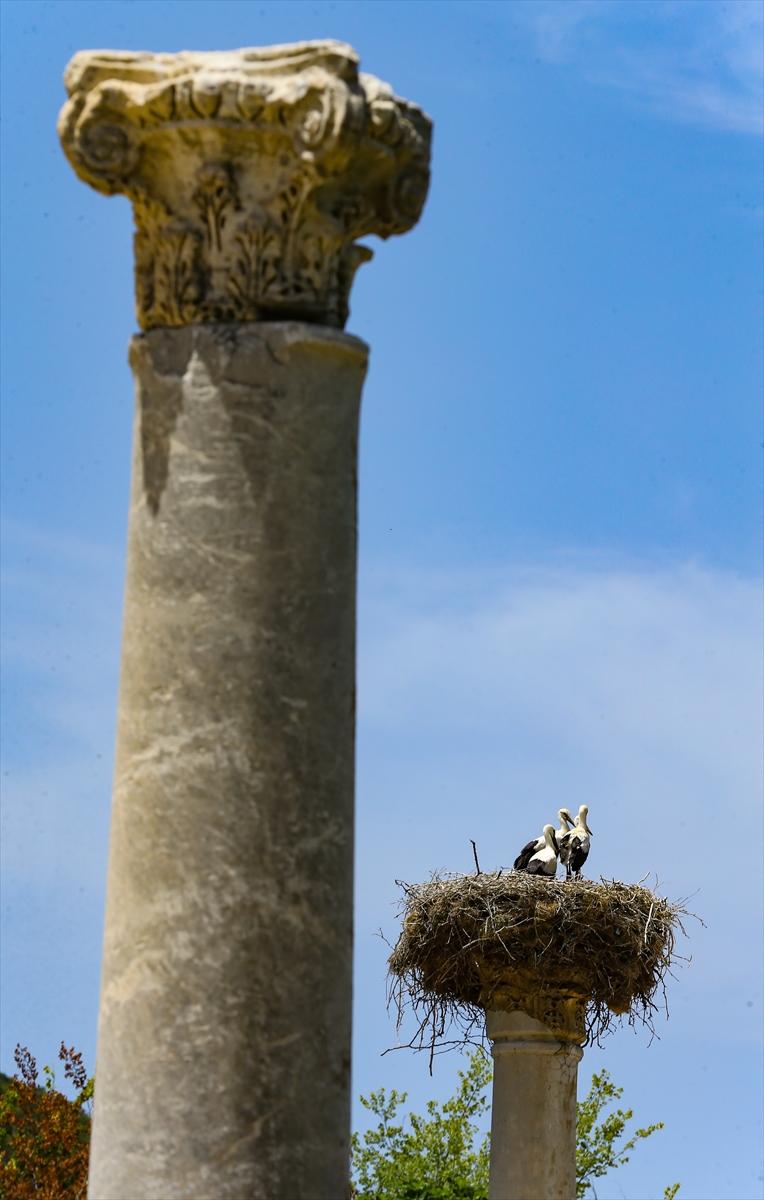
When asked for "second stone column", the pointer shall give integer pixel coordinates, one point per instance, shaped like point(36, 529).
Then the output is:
point(533, 1112)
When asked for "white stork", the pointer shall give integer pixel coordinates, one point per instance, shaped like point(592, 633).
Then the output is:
point(574, 846)
point(524, 857)
point(543, 861)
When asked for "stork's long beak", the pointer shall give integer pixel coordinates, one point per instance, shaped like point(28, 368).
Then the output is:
point(588, 830)
point(556, 847)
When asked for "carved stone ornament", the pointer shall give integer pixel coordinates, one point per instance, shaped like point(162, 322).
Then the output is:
point(251, 172)
point(562, 1009)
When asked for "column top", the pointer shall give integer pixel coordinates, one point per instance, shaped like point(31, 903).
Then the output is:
point(531, 1018)
point(252, 174)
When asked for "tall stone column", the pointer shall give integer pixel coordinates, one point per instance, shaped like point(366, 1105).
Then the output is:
point(223, 1063)
point(533, 1115)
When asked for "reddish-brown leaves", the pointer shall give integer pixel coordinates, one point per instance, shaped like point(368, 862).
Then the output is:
point(44, 1137)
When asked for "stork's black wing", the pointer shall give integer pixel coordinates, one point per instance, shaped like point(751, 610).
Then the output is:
point(525, 855)
point(579, 853)
point(539, 867)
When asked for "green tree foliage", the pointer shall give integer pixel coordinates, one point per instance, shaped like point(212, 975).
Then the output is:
point(44, 1137)
point(597, 1145)
point(436, 1159)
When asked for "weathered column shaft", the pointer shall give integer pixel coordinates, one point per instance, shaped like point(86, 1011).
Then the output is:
point(224, 1039)
point(533, 1119)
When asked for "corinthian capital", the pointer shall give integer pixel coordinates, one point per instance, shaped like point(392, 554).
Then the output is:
point(252, 174)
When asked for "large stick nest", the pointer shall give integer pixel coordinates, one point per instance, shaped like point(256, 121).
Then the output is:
point(472, 942)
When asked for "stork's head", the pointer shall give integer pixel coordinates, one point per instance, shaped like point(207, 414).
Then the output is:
point(582, 819)
point(565, 819)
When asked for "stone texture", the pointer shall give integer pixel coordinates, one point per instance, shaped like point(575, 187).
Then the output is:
point(224, 1033)
point(533, 1117)
point(252, 174)
point(224, 1037)
point(563, 1011)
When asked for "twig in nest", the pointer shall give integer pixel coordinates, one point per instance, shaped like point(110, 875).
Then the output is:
point(649, 919)
point(477, 864)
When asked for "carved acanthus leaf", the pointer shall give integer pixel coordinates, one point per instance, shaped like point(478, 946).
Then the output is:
point(252, 174)
point(564, 1015)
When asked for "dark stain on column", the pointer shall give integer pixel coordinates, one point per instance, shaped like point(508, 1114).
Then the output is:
point(160, 405)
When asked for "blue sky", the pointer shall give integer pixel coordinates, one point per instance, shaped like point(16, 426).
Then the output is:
point(560, 506)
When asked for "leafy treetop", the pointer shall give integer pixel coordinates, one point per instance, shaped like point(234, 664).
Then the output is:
point(436, 1158)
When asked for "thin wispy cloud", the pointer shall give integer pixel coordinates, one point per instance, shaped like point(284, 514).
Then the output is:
point(62, 601)
point(696, 61)
point(488, 699)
